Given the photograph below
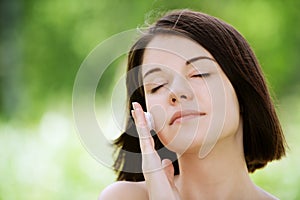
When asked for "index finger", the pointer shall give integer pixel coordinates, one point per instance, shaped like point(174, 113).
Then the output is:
point(155, 177)
point(150, 159)
point(146, 140)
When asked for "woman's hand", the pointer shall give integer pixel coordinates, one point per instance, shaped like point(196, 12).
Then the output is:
point(159, 175)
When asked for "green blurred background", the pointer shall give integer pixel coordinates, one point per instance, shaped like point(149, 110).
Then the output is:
point(43, 43)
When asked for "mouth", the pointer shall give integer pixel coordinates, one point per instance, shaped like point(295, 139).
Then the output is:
point(185, 115)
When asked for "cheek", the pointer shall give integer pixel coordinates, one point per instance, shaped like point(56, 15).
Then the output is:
point(224, 116)
point(203, 98)
point(233, 112)
point(232, 116)
point(156, 107)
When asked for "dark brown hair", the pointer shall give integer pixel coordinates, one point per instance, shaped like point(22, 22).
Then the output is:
point(262, 134)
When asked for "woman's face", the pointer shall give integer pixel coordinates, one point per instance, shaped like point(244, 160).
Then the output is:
point(190, 98)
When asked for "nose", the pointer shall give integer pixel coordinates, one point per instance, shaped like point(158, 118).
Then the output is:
point(180, 91)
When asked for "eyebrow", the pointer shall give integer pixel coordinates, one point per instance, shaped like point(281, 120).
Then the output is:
point(152, 71)
point(188, 62)
point(199, 58)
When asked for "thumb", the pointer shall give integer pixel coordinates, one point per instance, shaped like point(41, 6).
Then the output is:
point(169, 170)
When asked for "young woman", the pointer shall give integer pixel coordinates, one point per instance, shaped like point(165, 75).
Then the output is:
point(214, 121)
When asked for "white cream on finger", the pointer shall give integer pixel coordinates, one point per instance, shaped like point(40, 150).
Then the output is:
point(150, 120)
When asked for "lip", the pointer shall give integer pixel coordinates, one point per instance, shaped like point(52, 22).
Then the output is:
point(185, 113)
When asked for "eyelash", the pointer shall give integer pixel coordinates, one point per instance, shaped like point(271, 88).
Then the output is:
point(153, 90)
point(201, 75)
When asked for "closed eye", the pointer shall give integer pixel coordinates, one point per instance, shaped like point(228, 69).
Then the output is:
point(201, 75)
point(153, 90)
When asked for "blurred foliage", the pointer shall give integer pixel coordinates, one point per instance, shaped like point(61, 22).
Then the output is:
point(42, 45)
point(44, 42)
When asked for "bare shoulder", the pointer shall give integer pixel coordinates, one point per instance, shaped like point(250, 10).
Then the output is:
point(124, 190)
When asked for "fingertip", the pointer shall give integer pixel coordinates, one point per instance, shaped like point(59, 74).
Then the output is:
point(133, 113)
point(135, 105)
point(169, 170)
point(166, 162)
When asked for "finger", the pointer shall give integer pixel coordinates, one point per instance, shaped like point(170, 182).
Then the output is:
point(146, 140)
point(156, 178)
point(150, 159)
point(169, 171)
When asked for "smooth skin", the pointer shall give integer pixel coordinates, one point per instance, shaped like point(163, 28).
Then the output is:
point(177, 86)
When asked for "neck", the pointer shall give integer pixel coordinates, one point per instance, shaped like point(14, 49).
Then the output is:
point(222, 174)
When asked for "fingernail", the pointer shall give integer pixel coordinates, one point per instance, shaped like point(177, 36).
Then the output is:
point(134, 105)
point(132, 113)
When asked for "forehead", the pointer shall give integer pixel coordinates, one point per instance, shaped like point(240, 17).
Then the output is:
point(164, 48)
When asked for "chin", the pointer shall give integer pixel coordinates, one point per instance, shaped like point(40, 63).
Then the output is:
point(186, 140)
